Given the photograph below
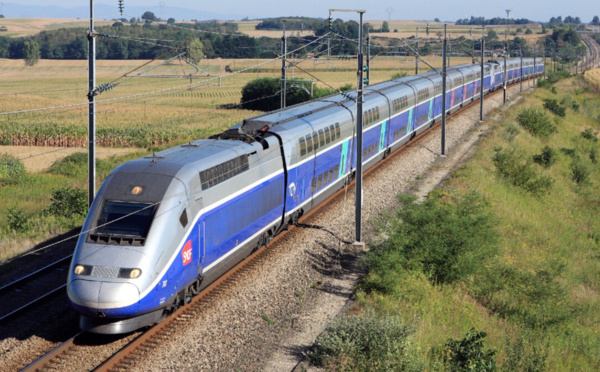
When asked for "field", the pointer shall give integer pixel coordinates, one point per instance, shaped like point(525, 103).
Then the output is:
point(17, 27)
point(593, 77)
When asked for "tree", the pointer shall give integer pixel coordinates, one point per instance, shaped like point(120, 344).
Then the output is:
point(148, 16)
point(596, 21)
point(385, 27)
point(195, 51)
point(171, 21)
point(437, 20)
point(31, 52)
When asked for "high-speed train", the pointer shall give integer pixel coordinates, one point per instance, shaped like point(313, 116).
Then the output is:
point(164, 226)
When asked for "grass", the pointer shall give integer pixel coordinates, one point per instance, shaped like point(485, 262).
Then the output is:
point(537, 299)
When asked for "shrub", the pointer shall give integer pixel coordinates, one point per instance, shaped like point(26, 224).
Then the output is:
point(446, 241)
point(17, 220)
point(398, 75)
point(68, 202)
point(589, 135)
point(547, 158)
point(68, 165)
point(517, 170)
point(569, 152)
point(594, 155)
point(365, 343)
point(536, 122)
point(263, 94)
point(510, 132)
point(11, 169)
point(554, 107)
point(467, 354)
point(579, 171)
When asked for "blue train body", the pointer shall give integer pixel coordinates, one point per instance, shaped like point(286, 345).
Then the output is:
point(165, 226)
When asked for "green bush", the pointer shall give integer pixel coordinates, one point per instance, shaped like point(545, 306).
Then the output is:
point(510, 132)
point(69, 165)
point(536, 122)
point(68, 202)
point(11, 169)
point(547, 158)
point(569, 152)
point(579, 171)
point(446, 241)
point(554, 107)
point(17, 220)
point(465, 355)
point(589, 135)
point(365, 343)
point(263, 94)
point(594, 155)
point(518, 171)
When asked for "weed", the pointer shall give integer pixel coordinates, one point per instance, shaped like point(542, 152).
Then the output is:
point(68, 202)
point(594, 155)
point(536, 122)
point(467, 354)
point(526, 353)
point(266, 318)
point(11, 169)
point(569, 152)
point(365, 342)
point(554, 107)
point(510, 132)
point(589, 135)
point(17, 220)
point(517, 170)
point(547, 158)
point(579, 171)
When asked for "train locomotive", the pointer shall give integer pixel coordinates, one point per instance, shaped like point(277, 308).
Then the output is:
point(164, 226)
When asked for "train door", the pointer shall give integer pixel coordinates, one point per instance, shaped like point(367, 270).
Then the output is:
point(201, 245)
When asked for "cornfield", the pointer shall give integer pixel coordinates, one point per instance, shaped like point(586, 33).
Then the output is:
point(593, 77)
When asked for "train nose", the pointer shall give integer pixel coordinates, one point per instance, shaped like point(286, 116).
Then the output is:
point(99, 299)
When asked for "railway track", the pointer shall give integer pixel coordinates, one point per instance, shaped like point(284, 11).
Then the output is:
point(122, 358)
point(32, 289)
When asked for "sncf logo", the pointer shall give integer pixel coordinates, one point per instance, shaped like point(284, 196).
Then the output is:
point(186, 253)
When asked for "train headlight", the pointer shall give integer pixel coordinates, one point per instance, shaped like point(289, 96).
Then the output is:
point(82, 270)
point(130, 273)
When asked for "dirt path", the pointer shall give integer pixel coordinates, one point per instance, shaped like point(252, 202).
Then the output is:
point(37, 159)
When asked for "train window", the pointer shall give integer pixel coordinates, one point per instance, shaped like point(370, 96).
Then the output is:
point(321, 138)
point(302, 147)
point(337, 170)
point(314, 185)
point(224, 171)
point(125, 219)
point(325, 181)
point(330, 174)
point(338, 130)
point(309, 147)
point(377, 114)
point(332, 133)
point(319, 181)
point(183, 219)
point(327, 138)
point(315, 141)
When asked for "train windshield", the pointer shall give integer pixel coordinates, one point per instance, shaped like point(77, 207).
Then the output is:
point(125, 219)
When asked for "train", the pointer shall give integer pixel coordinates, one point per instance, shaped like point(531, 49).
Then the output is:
point(163, 227)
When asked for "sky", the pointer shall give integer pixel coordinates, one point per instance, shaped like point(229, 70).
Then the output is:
point(445, 10)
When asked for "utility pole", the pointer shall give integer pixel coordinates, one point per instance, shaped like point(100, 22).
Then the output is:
point(482, 73)
point(521, 70)
point(417, 55)
point(283, 66)
point(359, 128)
point(444, 94)
point(449, 45)
point(534, 66)
point(368, 81)
point(505, 70)
point(91, 108)
point(359, 136)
